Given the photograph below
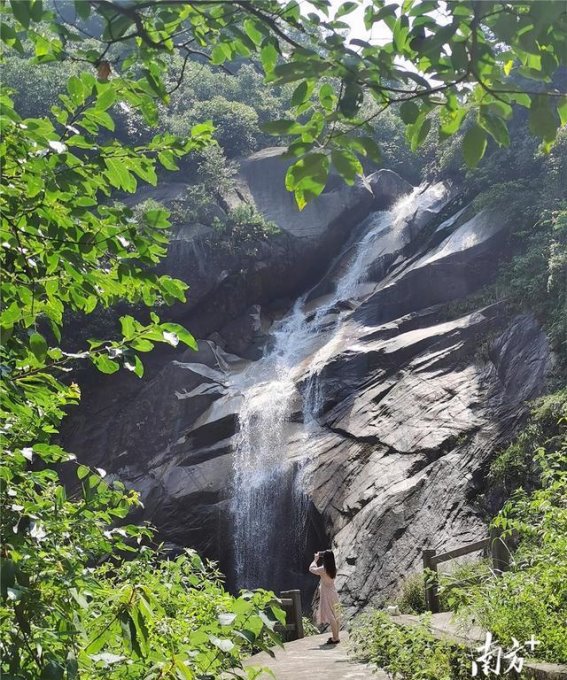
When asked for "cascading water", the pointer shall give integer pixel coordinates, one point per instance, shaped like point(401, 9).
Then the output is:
point(268, 507)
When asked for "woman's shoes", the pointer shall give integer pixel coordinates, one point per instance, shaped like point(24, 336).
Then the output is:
point(330, 641)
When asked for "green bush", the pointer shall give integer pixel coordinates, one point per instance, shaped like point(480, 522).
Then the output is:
point(411, 599)
point(73, 604)
point(406, 652)
point(531, 598)
point(236, 124)
point(454, 587)
point(244, 224)
point(309, 628)
point(517, 466)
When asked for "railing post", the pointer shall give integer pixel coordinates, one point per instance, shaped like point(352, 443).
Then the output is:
point(431, 595)
point(499, 552)
point(296, 614)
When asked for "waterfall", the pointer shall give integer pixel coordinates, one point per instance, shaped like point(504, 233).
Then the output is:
point(268, 507)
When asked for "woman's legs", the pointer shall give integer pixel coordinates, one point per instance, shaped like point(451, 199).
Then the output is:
point(335, 628)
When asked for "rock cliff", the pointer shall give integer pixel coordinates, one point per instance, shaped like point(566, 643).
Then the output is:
point(394, 402)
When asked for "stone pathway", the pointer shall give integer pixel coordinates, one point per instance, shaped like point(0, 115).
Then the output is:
point(311, 658)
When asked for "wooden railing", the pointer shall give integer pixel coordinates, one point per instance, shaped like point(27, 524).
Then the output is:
point(495, 545)
point(291, 604)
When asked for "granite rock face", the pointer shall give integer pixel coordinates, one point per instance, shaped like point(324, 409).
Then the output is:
point(225, 282)
point(397, 402)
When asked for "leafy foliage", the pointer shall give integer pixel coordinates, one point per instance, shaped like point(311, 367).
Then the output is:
point(67, 611)
point(531, 599)
point(72, 604)
point(516, 466)
point(454, 586)
point(407, 652)
point(244, 226)
point(461, 66)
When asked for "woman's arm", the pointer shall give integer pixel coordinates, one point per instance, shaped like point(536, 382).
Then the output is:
point(314, 569)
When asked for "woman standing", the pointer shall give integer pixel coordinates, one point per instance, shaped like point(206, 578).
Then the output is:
point(323, 565)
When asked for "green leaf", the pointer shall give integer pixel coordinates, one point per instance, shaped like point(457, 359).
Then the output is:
point(450, 121)
point(474, 145)
point(83, 471)
point(142, 345)
point(269, 56)
point(495, 126)
point(327, 96)
point(128, 326)
point(409, 111)
point(420, 130)
point(371, 147)
point(182, 333)
point(21, 10)
point(254, 30)
point(83, 9)
point(106, 99)
point(347, 164)
point(307, 177)
point(167, 159)
point(351, 100)
point(543, 120)
point(11, 315)
point(119, 176)
point(174, 287)
point(281, 127)
point(135, 365)
point(38, 345)
point(218, 55)
point(346, 8)
point(105, 364)
point(302, 92)
point(100, 118)
point(157, 218)
point(562, 110)
point(75, 90)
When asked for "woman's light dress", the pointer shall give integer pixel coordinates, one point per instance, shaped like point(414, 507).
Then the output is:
point(328, 597)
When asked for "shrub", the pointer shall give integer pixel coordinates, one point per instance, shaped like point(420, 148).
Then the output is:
point(516, 466)
point(309, 628)
point(407, 652)
point(245, 224)
point(454, 587)
point(531, 599)
point(411, 599)
point(71, 603)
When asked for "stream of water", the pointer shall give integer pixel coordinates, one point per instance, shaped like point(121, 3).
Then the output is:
point(268, 508)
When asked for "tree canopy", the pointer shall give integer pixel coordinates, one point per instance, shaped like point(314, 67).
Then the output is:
point(457, 57)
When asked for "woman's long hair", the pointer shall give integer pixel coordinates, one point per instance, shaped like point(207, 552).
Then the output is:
point(329, 562)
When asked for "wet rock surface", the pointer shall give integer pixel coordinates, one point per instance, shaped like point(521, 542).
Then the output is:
point(411, 402)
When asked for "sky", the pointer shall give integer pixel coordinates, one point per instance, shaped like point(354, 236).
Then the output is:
point(379, 33)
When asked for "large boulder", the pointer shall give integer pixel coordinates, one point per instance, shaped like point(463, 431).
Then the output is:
point(387, 187)
point(262, 179)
